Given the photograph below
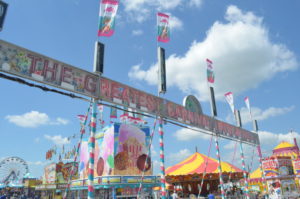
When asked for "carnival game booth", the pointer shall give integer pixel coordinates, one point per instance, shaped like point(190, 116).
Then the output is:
point(188, 174)
point(122, 157)
point(284, 150)
point(55, 178)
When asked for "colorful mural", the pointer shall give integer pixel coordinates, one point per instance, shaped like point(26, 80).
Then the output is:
point(120, 149)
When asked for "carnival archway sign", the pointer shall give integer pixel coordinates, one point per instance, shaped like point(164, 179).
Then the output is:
point(39, 68)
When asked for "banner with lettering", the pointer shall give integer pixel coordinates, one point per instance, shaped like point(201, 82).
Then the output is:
point(108, 11)
point(163, 29)
point(229, 99)
point(210, 72)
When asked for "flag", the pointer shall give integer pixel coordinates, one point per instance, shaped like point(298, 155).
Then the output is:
point(210, 72)
point(247, 102)
point(163, 29)
point(108, 11)
point(113, 112)
point(81, 118)
point(229, 99)
point(100, 107)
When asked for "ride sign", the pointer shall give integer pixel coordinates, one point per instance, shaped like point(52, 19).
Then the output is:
point(27, 64)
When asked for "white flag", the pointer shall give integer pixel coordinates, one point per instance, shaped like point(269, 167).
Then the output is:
point(229, 99)
point(247, 102)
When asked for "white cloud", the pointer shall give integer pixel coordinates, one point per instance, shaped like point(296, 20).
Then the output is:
point(58, 139)
point(196, 3)
point(259, 114)
point(175, 23)
point(273, 139)
point(137, 32)
point(34, 119)
point(60, 120)
point(232, 47)
point(179, 156)
point(37, 140)
point(188, 134)
point(140, 10)
point(38, 163)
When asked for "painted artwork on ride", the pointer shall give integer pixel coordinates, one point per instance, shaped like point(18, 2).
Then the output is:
point(120, 149)
point(49, 174)
point(275, 167)
point(296, 164)
point(63, 172)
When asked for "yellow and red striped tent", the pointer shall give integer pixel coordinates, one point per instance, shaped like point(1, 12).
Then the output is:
point(195, 164)
point(286, 149)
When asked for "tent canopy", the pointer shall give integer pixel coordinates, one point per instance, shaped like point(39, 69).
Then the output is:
point(195, 164)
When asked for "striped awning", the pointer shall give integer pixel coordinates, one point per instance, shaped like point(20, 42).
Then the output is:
point(195, 164)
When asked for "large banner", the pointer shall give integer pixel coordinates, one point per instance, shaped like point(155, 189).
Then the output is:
point(126, 151)
point(108, 11)
point(50, 174)
point(27, 64)
point(36, 67)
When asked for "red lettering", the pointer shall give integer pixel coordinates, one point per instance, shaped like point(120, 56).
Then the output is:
point(34, 61)
point(51, 70)
point(184, 113)
point(90, 83)
point(104, 90)
point(191, 116)
point(171, 110)
point(143, 99)
point(151, 105)
point(116, 91)
point(66, 74)
point(125, 95)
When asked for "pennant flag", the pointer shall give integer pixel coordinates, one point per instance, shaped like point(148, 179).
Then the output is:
point(229, 99)
point(247, 102)
point(210, 72)
point(100, 107)
point(113, 112)
point(81, 118)
point(163, 29)
point(108, 11)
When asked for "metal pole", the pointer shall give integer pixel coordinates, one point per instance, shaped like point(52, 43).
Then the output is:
point(244, 171)
point(239, 124)
point(162, 160)
point(91, 192)
point(219, 167)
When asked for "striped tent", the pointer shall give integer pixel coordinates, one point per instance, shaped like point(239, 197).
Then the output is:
point(195, 164)
point(286, 149)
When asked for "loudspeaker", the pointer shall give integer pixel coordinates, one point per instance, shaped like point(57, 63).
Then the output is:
point(98, 57)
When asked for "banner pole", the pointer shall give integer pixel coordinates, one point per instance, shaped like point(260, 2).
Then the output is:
point(162, 159)
point(91, 192)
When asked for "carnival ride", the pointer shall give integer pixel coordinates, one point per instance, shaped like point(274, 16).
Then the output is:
point(13, 170)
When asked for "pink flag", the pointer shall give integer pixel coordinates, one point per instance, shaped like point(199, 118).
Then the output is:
point(210, 72)
point(100, 107)
point(81, 118)
point(229, 99)
point(247, 102)
point(163, 29)
point(108, 11)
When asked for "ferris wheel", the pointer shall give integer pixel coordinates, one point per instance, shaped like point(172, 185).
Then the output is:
point(12, 170)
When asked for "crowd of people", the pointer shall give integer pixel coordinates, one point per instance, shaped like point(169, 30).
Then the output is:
point(17, 194)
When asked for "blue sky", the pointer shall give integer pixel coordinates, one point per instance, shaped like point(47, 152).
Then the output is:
point(254, 46)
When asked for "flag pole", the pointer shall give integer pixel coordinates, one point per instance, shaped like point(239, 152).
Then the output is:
point(239, 124)
point(210, 79)
point(255, 128)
